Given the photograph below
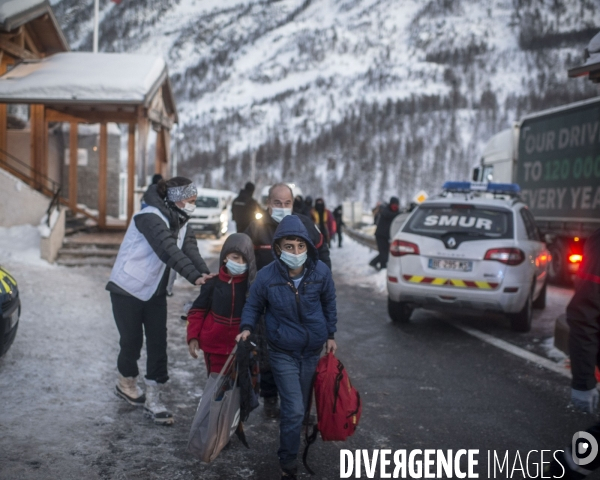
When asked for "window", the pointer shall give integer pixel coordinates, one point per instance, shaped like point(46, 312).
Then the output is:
point(470, 222)
point(529, 221)
point(207, 202)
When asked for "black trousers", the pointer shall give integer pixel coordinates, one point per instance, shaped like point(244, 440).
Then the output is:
point(134, 318)
point(383, 245)
point(339, 235)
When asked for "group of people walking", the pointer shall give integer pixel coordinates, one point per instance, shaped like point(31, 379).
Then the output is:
point(244, 209)
point(273, 281)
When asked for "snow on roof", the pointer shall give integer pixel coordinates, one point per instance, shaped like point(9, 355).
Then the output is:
point(84, 77)
point(17, 8)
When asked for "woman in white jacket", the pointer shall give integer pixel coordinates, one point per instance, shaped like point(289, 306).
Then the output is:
point(158, 239)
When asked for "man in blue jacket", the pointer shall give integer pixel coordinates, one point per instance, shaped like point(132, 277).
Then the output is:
point(298, 294)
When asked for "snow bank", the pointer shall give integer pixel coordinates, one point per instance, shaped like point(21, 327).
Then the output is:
point(352, 263)
point(21, 244)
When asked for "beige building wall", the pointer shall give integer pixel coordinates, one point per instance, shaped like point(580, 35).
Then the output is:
point(20, 204)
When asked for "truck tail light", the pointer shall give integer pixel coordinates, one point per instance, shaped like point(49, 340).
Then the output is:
point(399, 248)
point(575, 258)
point(508, 256)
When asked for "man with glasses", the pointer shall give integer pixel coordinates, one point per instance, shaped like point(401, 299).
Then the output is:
point(279, 204)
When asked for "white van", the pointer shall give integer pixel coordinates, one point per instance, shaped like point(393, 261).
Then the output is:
point(264, 194)
point(212, 211)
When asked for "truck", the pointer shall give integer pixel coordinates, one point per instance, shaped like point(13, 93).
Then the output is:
point(554, 156)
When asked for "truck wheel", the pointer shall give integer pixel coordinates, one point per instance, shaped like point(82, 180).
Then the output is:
point(521, 321)
point(399, 311)
point(557, 267)
point(540, 302)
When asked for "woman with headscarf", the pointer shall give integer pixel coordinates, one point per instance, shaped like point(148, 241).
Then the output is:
point(158, 239)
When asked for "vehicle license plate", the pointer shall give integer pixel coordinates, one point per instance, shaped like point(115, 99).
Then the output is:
point(447, 264)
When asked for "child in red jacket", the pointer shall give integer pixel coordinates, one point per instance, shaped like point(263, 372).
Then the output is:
point(214, 319)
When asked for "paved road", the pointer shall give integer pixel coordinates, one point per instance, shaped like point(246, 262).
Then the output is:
point(424, 384)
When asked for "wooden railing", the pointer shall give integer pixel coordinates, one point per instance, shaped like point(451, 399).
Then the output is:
point(38, 181)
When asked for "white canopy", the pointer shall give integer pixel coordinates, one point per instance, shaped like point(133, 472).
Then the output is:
point(83, 77)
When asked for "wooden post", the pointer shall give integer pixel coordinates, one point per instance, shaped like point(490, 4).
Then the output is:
point(167, 147)
point(39, 141)
point(3, 122)
point(143, 126)
point(158, 154)
point(130, 171)
point(102, 171)
point(73, 145)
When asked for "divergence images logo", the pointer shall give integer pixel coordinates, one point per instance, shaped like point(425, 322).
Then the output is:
point(584, 448)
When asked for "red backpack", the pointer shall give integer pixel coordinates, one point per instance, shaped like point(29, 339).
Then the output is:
point(338, 404)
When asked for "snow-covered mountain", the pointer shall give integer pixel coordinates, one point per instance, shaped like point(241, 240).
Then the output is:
point(354, 99)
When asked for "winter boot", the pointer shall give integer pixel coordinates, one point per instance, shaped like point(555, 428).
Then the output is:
point(289, 473)
point(154, 408)
point(270, 407)
point(127, 388)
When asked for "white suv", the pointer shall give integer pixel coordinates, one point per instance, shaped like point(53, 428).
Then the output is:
point(476, 248)
point(212, 211)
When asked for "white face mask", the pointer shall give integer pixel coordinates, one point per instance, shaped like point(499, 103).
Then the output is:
point(235, 268)
point(293, 261)
point(279, 213)
point(189, 207)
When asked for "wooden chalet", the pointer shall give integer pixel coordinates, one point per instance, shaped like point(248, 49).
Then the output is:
point(38, 70)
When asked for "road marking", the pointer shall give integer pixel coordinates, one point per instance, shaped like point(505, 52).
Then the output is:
point(518, 351)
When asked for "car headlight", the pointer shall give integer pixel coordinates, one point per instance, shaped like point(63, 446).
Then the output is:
point(223, 217)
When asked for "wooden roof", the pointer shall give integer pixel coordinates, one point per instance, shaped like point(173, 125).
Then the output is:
point(35, 20)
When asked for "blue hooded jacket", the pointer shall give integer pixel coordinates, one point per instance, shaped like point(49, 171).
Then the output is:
point(298, 321)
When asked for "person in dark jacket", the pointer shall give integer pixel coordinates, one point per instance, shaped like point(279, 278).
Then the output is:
point(339, 223)
point(214, 319)
point(297, 294)
point(244, 208)
point(262, 232)
point(157, 240)
point(157, 177)
point(298, 206)
point(387, 213)
point(279, 204)
point(583, 317)
point(323, 218)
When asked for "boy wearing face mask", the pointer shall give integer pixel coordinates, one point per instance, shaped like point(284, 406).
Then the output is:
point(279, 205)
point(297, 294)
point(214, 319)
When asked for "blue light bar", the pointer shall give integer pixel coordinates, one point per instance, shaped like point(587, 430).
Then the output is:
point(510, 188)
point(467, 187)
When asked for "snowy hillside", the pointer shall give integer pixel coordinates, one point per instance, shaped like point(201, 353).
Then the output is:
point(352, 99)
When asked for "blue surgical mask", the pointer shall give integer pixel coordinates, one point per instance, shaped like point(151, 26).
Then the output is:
point(235, 268)
point(293, 261)
point(279, 213)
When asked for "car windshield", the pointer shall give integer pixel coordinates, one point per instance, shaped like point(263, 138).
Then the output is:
point(207, 202)
point(469, 220)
